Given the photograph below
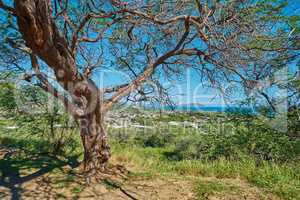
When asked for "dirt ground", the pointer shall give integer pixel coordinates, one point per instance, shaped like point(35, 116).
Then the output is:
point(43, 188)
point(47, 187)
point(26, 180)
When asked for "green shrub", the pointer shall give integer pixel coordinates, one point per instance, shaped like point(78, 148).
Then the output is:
point(206, 147)
point(261, 144)
point(154, 139)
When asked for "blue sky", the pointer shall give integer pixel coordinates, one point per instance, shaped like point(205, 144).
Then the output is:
point(188, 89)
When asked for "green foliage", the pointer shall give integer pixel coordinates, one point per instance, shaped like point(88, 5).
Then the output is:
point(154, 139)
point(209, 147)
point(28, 107)
point(222, 136)
point(257, 142)
point(294, 122)
point(281, 179)
point(7, 97)
point(255, 152)
point(205, 188)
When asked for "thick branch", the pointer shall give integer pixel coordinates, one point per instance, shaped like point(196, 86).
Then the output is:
point(15, 45)
point(49, 88)
point(77, 31)
point(43, 38)
point(85, 20)
point(113, 89)
point(149, 70)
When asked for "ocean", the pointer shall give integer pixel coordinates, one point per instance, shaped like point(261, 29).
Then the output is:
point(202, 108)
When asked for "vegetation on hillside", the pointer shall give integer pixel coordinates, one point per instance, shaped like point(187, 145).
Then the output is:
point(70, 71)
point(251, 152)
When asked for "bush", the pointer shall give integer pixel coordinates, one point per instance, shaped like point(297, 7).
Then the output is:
point(154, 139)
point(206, 147)
point(232, 138)
point(260, 143)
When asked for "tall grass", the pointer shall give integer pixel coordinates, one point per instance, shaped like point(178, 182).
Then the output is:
point(280, 179)
point(256, 154)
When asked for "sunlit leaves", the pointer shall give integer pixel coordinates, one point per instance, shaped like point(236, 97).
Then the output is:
point(7, 97)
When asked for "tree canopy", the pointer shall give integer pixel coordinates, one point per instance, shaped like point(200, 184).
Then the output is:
point(60, 45)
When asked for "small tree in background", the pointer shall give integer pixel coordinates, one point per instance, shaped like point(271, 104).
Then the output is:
point(28, 106)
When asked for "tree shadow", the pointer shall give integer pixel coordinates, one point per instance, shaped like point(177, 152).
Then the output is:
point(110, 183)
point(15, 161)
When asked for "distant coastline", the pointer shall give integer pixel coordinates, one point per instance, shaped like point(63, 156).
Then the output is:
point(204, 108)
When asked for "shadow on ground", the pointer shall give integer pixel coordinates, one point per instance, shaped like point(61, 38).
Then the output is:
point(17, 168)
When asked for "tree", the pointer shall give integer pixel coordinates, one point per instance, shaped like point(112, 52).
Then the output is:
point(7, 100)
point(240, 41)
point(30, 109)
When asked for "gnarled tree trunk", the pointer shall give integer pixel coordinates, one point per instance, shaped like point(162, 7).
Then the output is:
point(94, 140)
point(45, 41)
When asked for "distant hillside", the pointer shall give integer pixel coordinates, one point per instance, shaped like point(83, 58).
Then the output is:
point(191, 107)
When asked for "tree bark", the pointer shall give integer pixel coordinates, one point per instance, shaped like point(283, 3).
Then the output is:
point(95, 144)
point(42, 36)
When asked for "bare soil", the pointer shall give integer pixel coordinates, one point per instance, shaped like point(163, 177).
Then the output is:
point(17, 182)
point(48, 187)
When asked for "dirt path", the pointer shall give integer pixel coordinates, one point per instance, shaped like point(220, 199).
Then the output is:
point(58, 187)
point(46, 187)
point(146, 189)
point(46, 178)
